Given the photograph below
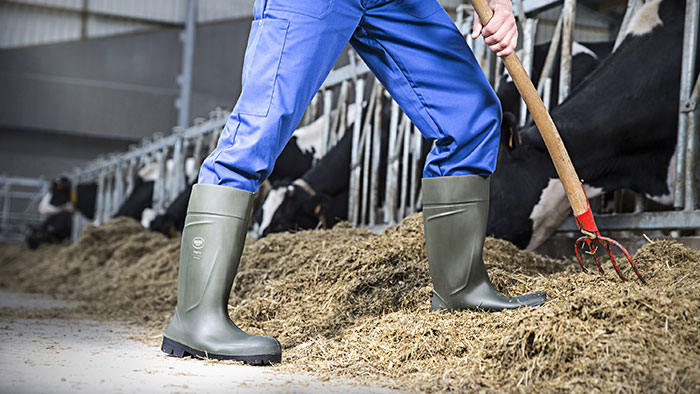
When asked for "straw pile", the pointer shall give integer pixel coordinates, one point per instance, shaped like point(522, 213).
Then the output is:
point(347, 303)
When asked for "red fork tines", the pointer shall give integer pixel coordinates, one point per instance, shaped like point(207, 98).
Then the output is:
point(604, 242)
point(594, 241)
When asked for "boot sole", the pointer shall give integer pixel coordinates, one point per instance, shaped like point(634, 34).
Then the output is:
point(177, 349)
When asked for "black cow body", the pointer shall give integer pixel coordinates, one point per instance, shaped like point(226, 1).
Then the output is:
point(172, 221)
point(85, 196)
point(296, 158)
point(139, 199)
point(619, 126)
point(55, 229)
point(585, 58)
point(293, 206)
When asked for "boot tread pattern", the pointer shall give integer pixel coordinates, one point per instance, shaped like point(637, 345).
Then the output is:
point(173, 348)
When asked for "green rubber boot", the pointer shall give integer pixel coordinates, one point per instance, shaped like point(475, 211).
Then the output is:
point(212, 243)
point(455, 210)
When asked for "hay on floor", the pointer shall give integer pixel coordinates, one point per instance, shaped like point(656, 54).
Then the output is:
point(348, 303)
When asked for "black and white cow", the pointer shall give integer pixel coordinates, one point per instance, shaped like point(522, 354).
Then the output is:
point(297, 157)
point(63, 196)
point(320, 195)
point(585, 58)
point(172, 221)
point(619, 126)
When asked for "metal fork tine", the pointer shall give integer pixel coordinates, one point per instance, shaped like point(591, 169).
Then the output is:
point(612, 259)
point(578, 254)
point(629, 258)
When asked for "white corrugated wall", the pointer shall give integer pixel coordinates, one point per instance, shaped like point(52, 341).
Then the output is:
point(36, 22)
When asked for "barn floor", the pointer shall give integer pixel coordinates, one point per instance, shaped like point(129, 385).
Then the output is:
point(83, 355)
point(349, 304)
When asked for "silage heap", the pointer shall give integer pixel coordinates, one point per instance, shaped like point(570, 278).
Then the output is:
point(345, 302)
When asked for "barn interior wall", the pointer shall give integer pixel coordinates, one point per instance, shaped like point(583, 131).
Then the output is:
point(104, 94)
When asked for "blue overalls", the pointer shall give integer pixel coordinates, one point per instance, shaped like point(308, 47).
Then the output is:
point(411, 46)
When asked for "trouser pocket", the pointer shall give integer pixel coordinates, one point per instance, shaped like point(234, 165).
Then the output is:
point(420, 8)
point(260, 66)
point(313, 8)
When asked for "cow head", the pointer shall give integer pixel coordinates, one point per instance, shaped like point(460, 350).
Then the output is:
point(60, 191)
point(291, 207)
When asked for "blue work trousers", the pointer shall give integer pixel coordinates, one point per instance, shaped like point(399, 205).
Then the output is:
point(411, 46)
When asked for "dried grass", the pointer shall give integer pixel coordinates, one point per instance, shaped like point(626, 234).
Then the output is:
point(348, 303)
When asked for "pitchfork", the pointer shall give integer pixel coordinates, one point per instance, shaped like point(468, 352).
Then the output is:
point(562, 162)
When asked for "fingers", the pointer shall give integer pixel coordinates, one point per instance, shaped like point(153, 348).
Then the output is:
point(476, 29)
point(507, 46)
point(501, 33)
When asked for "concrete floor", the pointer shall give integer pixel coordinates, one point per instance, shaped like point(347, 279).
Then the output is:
point(70, 355)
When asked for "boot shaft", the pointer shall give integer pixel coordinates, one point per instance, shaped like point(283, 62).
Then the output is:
point(212, 244)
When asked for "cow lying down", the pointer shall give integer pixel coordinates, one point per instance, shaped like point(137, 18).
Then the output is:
point(619, 126)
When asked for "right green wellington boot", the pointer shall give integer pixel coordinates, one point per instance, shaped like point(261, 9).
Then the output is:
point(212, 244)
point(455, 210)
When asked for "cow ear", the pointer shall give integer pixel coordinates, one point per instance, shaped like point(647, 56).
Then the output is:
point(317, 210)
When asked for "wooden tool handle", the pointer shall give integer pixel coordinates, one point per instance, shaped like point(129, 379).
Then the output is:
point(550, 135)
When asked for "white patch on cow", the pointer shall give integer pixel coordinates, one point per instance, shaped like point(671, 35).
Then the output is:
point(310, 137)
point(149, 172)
point(579, 49)
point(667, 199)
point(147, 217)
point(272, 203)
point(46, 209)
point(551, 211)
point(645, 19)
point(190, 168)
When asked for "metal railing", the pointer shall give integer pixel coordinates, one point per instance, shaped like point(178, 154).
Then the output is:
point(402, 194)
point(19, 200)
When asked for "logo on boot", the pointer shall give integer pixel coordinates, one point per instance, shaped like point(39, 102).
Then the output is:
point(197, 244)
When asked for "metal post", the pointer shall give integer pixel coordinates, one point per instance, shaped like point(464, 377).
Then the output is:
point(354, 195)
point(159, 183)
point(691, 150)
point(551, 54)
point(341, 116)
point(405, 165)
point(99, 204)
point(690, 37)
point(185, 78)
point(376, 151)
point(416, 173)
point(327, 103)
point(547, 94)
point(366, 142)
point(119, 195)
point(176, 182)
point(198, 157)
point(529, 32)
point(77, 219)
point(566, 45)
point(5, 202)
point(392, 170)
